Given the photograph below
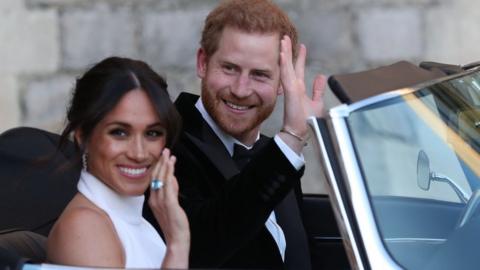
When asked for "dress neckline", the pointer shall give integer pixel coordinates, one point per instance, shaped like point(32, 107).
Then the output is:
point(128, 208)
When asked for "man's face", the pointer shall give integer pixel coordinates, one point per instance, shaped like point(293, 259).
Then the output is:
point(240, 81)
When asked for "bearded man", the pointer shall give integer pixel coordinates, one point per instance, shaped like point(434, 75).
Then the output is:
point(242, 204)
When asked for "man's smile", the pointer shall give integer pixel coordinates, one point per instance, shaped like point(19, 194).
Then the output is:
point(237, 107)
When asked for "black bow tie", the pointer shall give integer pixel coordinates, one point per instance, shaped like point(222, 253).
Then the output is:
point(242, 155)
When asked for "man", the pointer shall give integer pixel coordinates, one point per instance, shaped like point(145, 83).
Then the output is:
point(245, 216)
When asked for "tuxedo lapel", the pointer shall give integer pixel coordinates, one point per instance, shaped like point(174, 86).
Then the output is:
point(217, 155)
point(288, 217)
point(202, 136)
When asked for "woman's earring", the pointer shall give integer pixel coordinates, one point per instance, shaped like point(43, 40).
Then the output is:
point(84, 160)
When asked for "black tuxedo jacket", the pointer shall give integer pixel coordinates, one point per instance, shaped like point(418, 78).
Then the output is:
point(228, 208)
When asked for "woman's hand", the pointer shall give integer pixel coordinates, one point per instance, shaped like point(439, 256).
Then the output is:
point(169, 214)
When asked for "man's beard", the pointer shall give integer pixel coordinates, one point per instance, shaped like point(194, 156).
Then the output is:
point(236, 130)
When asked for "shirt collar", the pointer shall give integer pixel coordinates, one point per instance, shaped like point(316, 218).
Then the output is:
point(227, 140)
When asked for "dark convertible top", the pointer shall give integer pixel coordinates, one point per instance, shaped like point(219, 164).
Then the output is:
point(36, 180)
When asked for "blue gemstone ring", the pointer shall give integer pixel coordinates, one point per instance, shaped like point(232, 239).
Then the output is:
point(156, 184)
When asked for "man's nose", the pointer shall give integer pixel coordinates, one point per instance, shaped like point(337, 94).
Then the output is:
point(242, 86)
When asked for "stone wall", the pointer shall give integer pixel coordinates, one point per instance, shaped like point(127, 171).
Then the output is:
point(46, 44)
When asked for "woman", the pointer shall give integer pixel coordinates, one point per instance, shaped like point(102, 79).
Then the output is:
point(122, 120)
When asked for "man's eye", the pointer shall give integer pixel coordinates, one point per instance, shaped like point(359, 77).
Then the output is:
point(118, 132)
point(229, 68)
point(261, 75)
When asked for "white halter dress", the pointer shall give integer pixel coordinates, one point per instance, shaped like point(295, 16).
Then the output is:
point(142, 245)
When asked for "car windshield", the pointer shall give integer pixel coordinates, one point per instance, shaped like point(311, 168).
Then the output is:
point(419, 155)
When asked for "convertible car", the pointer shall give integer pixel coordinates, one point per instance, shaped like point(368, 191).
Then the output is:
point(400, 155)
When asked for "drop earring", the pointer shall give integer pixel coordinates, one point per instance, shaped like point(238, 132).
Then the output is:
point(84, 160)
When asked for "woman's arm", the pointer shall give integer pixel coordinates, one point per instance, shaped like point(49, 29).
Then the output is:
point(169, 214)
point(84, 236)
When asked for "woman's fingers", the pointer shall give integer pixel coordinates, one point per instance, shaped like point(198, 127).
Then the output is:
point(170, 189)
point(163, 168)
point(169, 168)
point(171, 171)
point(167, 195)
point(156, 168)
point(165, 206)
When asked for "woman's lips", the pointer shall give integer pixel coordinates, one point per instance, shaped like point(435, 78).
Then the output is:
point(133, 172)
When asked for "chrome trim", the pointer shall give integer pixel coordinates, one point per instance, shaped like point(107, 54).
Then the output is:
point(29, 266)
point(340, 111)
point(336, 200)
point(345, 110)
point(469, 210)
point(378, 257)
point(462, 194)
point(415, 240)
point(48, 266)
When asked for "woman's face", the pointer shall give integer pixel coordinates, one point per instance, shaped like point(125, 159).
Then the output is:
point(125, 145)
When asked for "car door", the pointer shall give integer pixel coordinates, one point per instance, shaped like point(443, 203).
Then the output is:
point(326, 245)
point(403, 174)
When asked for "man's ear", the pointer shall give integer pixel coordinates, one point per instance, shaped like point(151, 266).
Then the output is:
point(202, 60)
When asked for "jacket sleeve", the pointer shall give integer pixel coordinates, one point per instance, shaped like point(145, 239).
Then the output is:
point(225, 211)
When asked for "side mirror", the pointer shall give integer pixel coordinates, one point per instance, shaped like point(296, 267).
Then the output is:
point(423, 171)
point(425, 177)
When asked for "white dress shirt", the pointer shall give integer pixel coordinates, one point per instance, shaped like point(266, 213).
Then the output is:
point(229, 141)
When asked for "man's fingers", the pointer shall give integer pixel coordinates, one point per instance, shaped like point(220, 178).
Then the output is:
point(286, 49)
point(300, 63)
point(319, 86)
point(286, 66)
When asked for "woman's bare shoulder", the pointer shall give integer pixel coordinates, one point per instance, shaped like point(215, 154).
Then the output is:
point(84, 235)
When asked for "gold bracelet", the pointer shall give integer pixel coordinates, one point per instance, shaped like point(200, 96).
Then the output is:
point(298, 137)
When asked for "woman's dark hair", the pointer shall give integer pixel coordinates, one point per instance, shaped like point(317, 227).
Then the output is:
point(99, 90)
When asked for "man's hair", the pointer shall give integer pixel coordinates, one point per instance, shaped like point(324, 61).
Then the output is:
point(251, 16)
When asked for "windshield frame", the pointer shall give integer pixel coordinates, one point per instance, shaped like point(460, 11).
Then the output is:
point(356, 190)
point(344, 110)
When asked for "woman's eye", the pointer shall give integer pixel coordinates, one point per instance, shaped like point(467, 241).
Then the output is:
point(118, 132)
point(155, 133)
